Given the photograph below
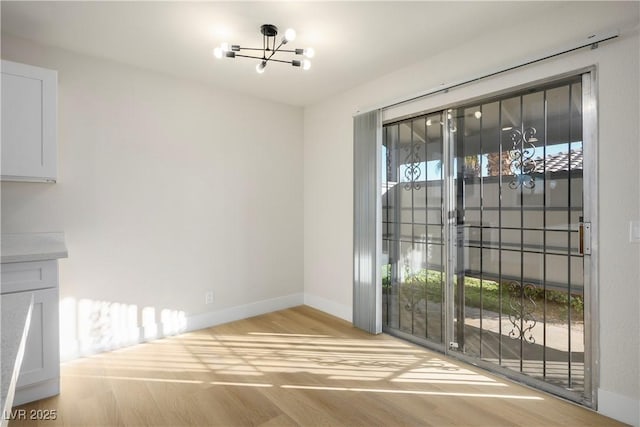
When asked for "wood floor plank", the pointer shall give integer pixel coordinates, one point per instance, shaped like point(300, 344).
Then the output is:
point(293, 367)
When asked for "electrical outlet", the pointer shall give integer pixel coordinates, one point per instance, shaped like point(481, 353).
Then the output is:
point(634, 231)
point(208, 297)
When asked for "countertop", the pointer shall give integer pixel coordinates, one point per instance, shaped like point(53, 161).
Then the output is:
point(22, 247)
point(15, 317)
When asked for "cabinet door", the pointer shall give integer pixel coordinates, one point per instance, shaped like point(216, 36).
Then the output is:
point(41, 355)
point(29, 140)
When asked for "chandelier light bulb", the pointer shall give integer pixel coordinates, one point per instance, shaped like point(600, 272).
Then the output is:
point(478, 114)
point(290, 35)
point(306, 64)
point(309, 52)
point(260, 67)
point(217, 52)
point(428, 122)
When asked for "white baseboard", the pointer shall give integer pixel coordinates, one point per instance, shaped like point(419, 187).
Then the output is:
point(331, 307)
point(619, 407)
point(212, 318)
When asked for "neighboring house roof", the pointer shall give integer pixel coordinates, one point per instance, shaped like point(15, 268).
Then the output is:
point(560, 162)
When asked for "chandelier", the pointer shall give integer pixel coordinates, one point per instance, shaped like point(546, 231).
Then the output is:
point(268, 50)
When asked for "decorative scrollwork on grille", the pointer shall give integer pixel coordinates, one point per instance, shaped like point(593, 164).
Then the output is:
point(522, 163)
point(522, 306)
point(412, 171)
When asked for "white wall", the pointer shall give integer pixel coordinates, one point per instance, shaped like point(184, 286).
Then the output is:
point(328, 172)
point(167, 189)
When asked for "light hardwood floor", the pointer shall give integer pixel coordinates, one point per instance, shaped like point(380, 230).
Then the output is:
point(293, 367)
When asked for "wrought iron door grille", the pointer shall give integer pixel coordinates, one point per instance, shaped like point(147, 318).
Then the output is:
point(518, 283)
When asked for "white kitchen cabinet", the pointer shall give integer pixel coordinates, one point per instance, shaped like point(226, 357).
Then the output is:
point(29, 123)
point(40, 372)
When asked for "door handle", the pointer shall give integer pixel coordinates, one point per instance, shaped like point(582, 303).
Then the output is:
point(585, 238)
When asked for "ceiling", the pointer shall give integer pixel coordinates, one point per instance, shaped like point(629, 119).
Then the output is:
point(354, 41)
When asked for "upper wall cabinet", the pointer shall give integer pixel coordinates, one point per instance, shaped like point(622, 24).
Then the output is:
point(29, 130)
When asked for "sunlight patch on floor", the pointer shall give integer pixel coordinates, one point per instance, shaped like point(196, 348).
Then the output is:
point(378, 365)
point(419, 392)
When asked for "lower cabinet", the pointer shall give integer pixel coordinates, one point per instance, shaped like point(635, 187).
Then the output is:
point(40, 372)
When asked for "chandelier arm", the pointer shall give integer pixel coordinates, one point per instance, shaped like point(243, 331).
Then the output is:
point(280, 60)
point(268, 59)
point(251, 48)
point(276, 49)
point(257, 48)
point(252, 57)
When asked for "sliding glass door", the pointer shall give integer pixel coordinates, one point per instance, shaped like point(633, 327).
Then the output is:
point(485, 240)
point(413, 276)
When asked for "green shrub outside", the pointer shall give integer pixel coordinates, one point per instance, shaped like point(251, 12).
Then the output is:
point(428, 285)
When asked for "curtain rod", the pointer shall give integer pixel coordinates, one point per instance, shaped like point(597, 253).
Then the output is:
point(592, 40)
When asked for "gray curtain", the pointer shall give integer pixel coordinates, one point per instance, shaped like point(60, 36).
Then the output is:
point(367, 289)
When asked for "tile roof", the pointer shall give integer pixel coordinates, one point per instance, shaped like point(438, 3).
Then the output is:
point(560, 162)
